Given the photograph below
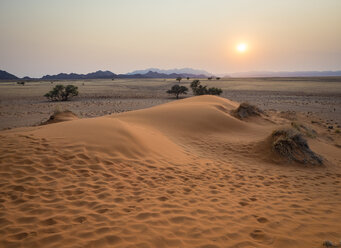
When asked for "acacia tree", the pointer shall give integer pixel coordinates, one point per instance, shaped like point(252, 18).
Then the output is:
point(179, 79)
point(177, 90)
point(62, 93)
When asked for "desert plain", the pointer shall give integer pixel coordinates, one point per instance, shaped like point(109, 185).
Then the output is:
point(133, 167)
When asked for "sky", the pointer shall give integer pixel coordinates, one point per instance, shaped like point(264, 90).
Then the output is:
point(40, 37)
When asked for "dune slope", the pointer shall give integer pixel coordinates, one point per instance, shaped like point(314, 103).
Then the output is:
point(182, 174)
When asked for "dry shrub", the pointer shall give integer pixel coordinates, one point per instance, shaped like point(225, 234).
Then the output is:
point(307, 131)
point(291, 145)
point(246, 110)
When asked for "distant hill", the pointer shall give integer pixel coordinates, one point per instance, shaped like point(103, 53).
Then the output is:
point(75, 76)
point(287, 74)
point(109, 74)
point(152, 74)
point(183, 71)
point(4, 75)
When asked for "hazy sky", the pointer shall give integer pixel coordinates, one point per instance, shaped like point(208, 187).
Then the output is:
point(39, 37)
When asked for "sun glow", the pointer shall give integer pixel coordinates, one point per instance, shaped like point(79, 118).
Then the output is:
point(242, 47)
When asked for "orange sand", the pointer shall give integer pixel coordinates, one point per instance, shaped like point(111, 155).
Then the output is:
point(182, 174)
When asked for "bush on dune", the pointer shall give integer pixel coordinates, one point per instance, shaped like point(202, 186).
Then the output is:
point(291, 145)
point(246, 110)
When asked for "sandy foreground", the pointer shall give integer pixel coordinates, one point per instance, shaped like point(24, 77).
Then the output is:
point(181, 174)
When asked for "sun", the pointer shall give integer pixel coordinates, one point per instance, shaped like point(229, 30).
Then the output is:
point(242, 47)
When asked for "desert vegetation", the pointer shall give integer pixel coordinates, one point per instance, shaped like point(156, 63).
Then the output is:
point(292, 146)
point(246, 110)
point(178, 90)
point(62, 93)
point(199, 89)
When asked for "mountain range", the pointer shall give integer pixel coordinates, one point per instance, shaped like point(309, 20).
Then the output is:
point(173, 73)
point(106, 75)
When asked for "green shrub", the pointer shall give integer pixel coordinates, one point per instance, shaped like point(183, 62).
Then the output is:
point(62, 93)
point(198, 89)
point(214, 91)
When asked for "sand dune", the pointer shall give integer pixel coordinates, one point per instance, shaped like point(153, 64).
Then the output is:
point(182, 174)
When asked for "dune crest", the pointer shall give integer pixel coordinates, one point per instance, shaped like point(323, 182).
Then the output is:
point(182, 174)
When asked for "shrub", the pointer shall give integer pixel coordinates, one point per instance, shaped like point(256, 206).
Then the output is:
point(291, 145)
point(62, 93)
point(214, 91)
point(177, 90)
point(311, 133)
point(198, 89)
point(246, 110)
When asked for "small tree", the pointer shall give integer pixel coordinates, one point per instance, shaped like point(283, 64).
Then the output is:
point(62, 93)
point(218, 78)
point(187, 78)
point(177, 90)
point(210, 78)
point(179, 79)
